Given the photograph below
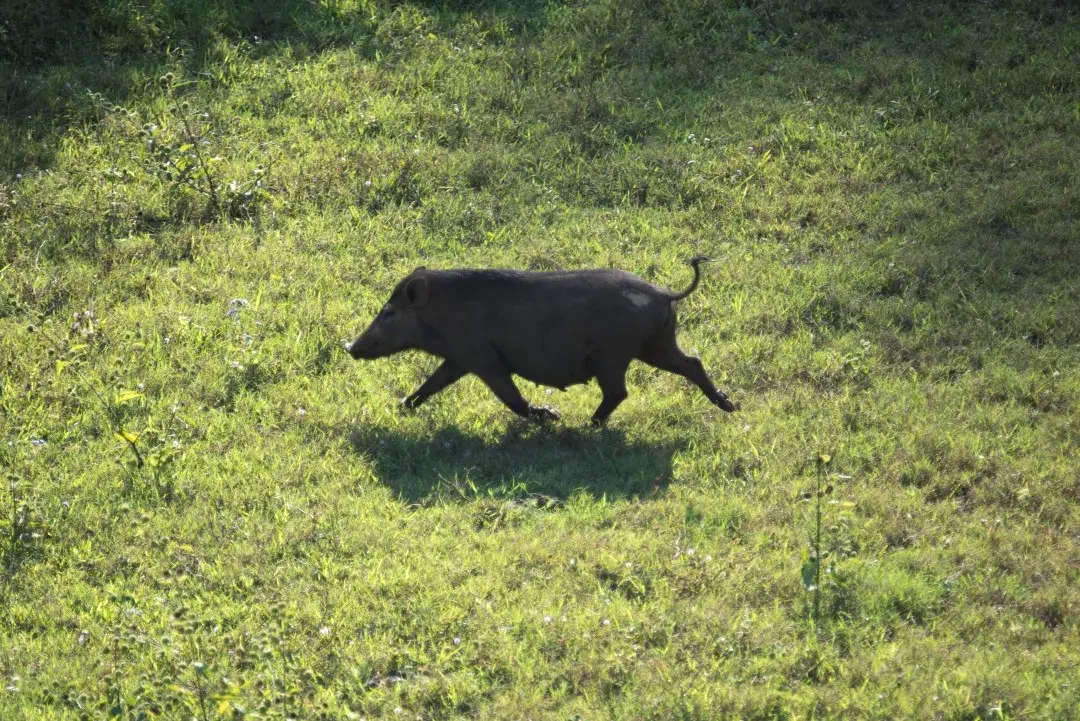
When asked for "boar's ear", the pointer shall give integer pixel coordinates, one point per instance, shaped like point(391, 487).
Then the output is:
point(416, 292)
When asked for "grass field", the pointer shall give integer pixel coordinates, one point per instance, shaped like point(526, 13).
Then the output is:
point(209, 511)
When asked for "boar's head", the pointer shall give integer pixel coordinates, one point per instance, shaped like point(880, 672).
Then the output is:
point(397, 326)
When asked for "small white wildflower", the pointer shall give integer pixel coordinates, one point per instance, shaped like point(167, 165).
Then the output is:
point(606, 622)
point(457, 640)
point(547, 619)
point(324, 631)
point(38, 442)
point(367, 183)
point(300, 411)
point(18, 176)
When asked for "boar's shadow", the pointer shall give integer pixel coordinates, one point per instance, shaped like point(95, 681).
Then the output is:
point(527, 461)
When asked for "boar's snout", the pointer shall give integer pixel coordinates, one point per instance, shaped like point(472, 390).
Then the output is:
point(388, 334)
point(362, 348)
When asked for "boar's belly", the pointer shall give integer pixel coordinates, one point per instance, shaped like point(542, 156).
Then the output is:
point(548, 366)
point(556, 380)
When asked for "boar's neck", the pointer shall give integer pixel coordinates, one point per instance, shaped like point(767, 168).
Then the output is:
point(431, 341)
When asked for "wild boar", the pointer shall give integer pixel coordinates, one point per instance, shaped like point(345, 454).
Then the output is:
point(554, 328)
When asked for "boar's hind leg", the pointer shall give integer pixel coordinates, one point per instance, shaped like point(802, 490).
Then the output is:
point(611, 377)
point(669, 357)
point(444, 375)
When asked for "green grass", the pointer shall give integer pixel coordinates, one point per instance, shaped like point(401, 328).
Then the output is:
point(891, 191)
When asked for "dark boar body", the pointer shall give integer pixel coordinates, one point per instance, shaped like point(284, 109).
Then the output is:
point(554, 328)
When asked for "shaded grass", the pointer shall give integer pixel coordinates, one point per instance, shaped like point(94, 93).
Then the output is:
point(891, 192)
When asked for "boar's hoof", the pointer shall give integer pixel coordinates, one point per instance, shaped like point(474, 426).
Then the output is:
point(407, 404)
point(543, 413)
point(726, 404)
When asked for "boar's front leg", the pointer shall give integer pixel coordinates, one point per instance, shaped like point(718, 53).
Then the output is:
point(502, 385)
point(444, 375)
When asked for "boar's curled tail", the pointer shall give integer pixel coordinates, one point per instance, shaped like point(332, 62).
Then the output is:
point(695, 261)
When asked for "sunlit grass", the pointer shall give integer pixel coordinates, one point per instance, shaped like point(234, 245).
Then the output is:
point(890, 197)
